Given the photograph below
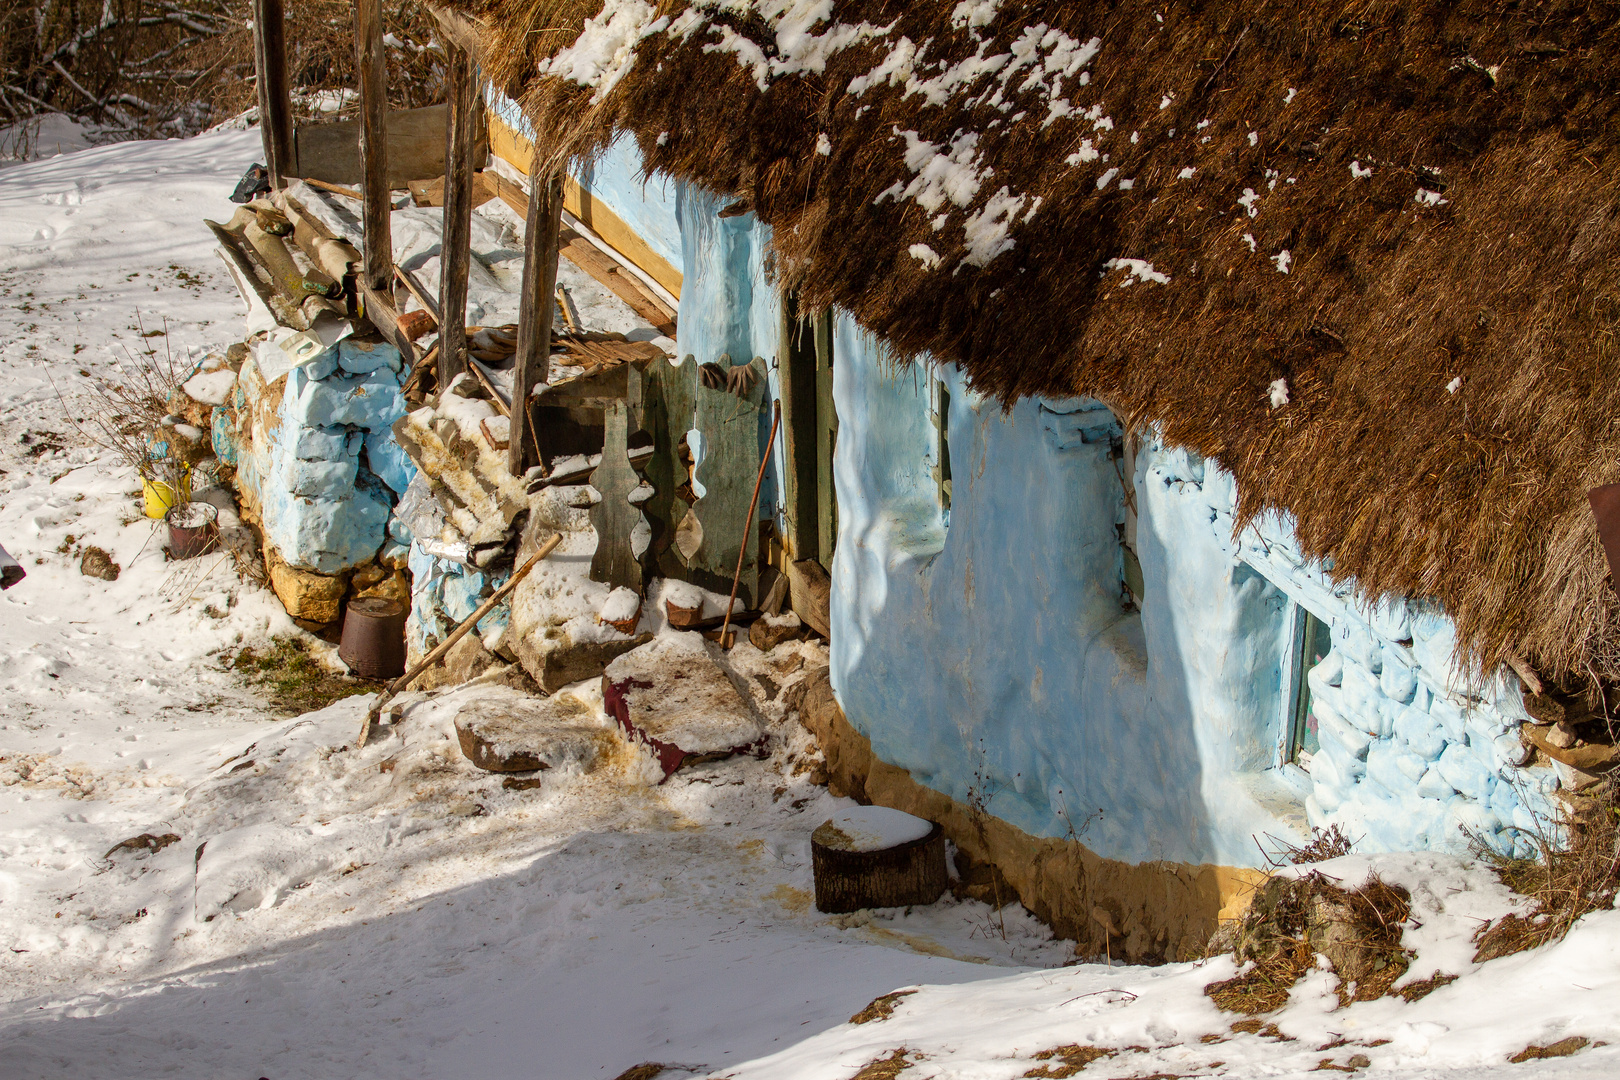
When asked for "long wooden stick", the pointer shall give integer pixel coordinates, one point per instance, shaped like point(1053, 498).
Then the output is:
point(765, 460)
point(455, 635)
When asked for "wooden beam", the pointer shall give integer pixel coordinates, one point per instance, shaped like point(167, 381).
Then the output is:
point(597, 263)
point(536, 304)
point(371, 64)
point(797, 383)
point(594, 214)
point(275, 99)
point(464, 30)
point(377, 305)
point(456, 247)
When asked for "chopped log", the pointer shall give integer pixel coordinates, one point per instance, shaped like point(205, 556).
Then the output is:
point(873, 857)
point(371, 65)
point(811, 591)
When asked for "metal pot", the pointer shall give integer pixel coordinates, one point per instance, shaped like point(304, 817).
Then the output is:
point(193, 529)
point(373, 642)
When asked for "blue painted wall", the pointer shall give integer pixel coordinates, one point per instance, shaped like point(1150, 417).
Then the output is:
point(987, 650)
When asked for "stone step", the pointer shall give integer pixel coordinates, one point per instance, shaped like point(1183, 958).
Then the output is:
point(671, 695)
point(517, 733)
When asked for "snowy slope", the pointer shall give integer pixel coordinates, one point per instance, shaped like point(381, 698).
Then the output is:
point(393, 912)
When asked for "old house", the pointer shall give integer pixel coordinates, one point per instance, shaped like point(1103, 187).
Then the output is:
point(1187, 412)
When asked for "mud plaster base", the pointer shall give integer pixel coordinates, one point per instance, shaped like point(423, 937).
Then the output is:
point(1141, 913)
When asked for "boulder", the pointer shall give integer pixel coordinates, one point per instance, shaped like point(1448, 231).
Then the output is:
point(671, 695)
point(307, 595)
point(513, 733)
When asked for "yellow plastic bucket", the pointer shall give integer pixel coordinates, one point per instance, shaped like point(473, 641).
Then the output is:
point(160, 495)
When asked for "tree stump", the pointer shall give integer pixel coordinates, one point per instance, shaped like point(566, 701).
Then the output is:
point(875, 857)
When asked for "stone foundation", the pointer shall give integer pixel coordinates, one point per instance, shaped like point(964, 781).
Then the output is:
point(1147, 912)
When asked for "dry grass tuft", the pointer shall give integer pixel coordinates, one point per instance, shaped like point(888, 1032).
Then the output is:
point(1566, 882)
point(884, 1068)
point(1561, 1048)
point(1292, 920)
point(880, 1008)
point(1069, 1060)
point(647, 1070)
point(1422, 988)
point(295, 681)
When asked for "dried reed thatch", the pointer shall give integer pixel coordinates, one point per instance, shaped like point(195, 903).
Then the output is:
point(1405, 211)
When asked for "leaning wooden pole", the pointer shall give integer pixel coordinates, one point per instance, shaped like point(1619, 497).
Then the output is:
point(372, 67)
point(460, 137)
point(533, 363)
point(455, 635)
point(275, 97)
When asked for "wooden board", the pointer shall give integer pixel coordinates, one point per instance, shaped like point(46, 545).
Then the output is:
point(600, 265)
point(596, 215)
point(615, 517)
point(798, 390)
point(734, 431)
point(667, 402)
point(431, 192)
point(331, 151)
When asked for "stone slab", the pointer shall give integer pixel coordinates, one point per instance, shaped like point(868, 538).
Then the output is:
point(671, 695)
point(514, 733)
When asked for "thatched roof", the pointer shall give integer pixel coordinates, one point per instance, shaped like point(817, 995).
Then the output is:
point(1401, 216)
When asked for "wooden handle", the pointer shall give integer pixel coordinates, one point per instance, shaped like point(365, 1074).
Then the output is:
point(455, 635)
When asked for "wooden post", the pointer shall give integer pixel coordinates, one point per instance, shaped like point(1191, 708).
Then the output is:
point(372, 67)
point(275, 100)
point(460, 136)
point(532, 365)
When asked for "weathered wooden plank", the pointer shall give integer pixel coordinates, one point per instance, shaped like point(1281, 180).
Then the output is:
point(371, 65)
point(596, 215)
point(734, 431)
point(379, 308)
point(431, 192)
point(826, 443)
point(275, 98)
point(667, 403)
point(456, 247)
point(330, 152)
point(542, 218)
point(798, 391)
point(600, 265)
point(615, 517)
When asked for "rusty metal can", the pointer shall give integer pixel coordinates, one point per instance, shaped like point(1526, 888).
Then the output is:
point(193, 530)
point(373, 644)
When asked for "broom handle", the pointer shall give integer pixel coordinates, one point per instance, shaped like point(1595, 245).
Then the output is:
point(765, 459)
point(455, 635)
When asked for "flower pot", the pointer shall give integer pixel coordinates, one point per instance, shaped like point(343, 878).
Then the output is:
point(193, 530)
point(373, 644)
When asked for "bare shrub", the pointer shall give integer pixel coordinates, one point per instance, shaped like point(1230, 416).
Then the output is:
point(158, 68)
point(1566, 881)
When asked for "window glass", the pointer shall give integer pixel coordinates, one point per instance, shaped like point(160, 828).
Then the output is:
point(1313, 645)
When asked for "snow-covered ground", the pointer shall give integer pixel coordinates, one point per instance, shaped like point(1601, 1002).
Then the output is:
point(394, 912)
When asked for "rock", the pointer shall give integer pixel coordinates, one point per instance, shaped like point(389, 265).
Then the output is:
point(671, 695)
point(388, 460)
point(553, 659)
point(466, 661)
point(511, 733)
point(364, 357)
point(306, 594)
point(1582, 756)
point(1562, 735)
point(96, 563)
point(769, 631)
